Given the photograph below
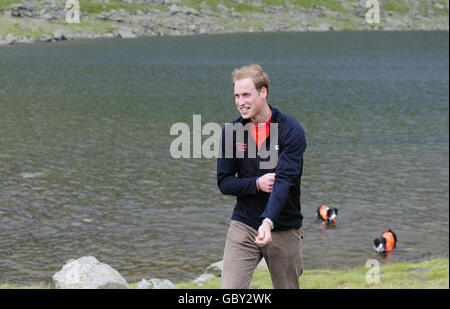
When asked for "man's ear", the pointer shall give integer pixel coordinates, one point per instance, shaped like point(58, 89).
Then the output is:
point(263, 92)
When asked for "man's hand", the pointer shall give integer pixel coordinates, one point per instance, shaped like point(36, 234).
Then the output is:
point(264, 236)
point(266, 181)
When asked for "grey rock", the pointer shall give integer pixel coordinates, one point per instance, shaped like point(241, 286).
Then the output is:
point(69, 35)
point(46, 38)
point(59, 34)
point(88, 273)
point(143, 284)
point(22, 9)
point(10, 39)
point(79, 36)
point(117, 16)
point(192, 27)
point(222, 7)
point(323, 27)
point(108, 35)
point(26, 40)
point(191, 11)
point(103, 16)
point(439, 6)
point(203, 277)
point(3, 41)
point(156, 284)
point(51, 4)
point(123, 12)
point(215, 269)
point(126, 34)
point(45, 14)
point(177, 9)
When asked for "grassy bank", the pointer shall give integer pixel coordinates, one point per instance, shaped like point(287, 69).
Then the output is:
point(39, 19)
point(432, 274)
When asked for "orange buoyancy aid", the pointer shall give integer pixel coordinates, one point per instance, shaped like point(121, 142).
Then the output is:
point(323, 211)
point(390, 241)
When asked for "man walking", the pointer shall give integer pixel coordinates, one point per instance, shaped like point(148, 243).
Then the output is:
point(263, 170)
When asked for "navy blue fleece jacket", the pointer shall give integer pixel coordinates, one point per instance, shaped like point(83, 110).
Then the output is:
point(238, 170)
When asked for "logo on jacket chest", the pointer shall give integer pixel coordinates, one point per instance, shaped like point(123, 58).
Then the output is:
point(237, 137)
point(241, 146)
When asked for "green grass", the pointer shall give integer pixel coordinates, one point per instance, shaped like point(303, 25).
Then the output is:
point(244, 7)
point(98, 7)
point(92, 7)
point(431, 274)
point(308, 4)
point(31, 287)
point(396, 6)
point(248, 7)
point(428, 274)
point(5, 4)
point(19, 28)
point(344, 21)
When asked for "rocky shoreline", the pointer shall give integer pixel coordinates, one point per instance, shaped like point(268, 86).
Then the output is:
point(29, 21)
point(87, 272)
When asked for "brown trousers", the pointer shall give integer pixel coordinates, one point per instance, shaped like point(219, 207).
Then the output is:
point(241, 256)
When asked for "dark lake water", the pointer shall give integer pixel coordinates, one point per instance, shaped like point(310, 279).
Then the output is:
point(85, 164)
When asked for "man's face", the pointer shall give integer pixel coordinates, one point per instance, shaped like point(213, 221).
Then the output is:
point(249, 101)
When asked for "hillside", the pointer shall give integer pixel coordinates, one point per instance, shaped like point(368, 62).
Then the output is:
point(26, 21)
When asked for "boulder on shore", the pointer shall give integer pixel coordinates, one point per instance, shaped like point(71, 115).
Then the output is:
point(155, 284)
point(215, 270)
point(88, 273)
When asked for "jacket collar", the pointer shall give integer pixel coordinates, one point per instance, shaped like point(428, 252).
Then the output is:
point(274, 119)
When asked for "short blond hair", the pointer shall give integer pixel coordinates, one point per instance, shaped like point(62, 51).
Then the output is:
point(255, 72)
